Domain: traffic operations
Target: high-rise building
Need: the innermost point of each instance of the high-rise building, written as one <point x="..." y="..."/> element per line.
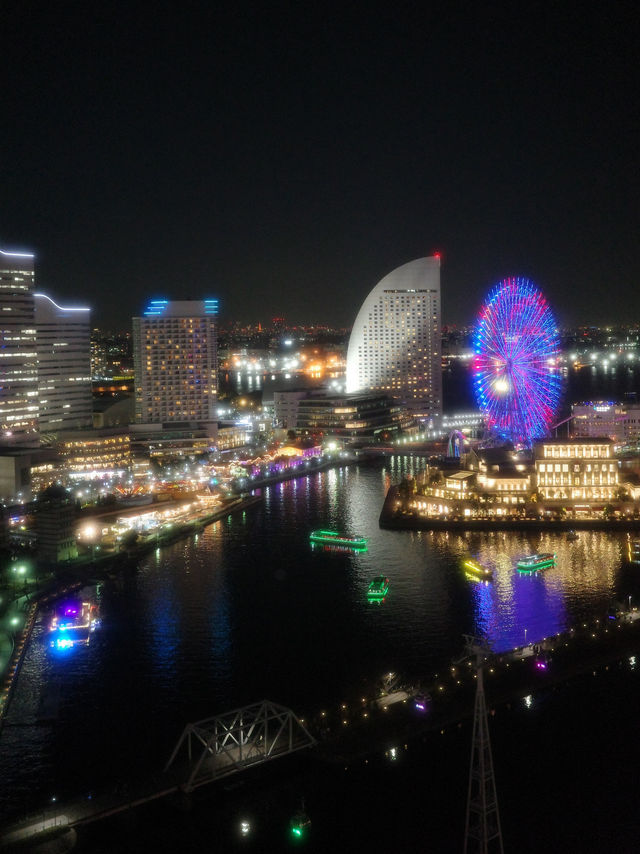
<point x="395" y="344"/>
<point x="18" y="355"/>
<point x="175" y="362"/>
<point x="64" y="366"/>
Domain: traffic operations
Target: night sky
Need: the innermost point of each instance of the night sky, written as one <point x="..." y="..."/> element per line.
<point x="284" y="158"/>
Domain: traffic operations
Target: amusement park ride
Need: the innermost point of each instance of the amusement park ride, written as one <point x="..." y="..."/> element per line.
<point x="515" y="368"/>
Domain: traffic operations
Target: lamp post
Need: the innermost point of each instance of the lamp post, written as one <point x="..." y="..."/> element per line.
<point x="89" y="534"/>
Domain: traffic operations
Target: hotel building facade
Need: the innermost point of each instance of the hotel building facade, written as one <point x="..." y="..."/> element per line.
<point x="175" y="363"/>
<point x="63" y="345"/>
<point x="395" y="344"/>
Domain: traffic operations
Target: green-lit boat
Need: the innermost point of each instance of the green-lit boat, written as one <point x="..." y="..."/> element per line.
<point x="333" y="538"/>
<point x="531" y="563"/>
<point x="378" y="588"/>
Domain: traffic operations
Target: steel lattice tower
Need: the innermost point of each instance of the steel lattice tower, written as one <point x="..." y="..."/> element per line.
<point x="482" y="834"/>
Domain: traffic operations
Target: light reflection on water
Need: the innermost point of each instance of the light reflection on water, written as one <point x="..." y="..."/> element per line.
<point x="248" y="610"/>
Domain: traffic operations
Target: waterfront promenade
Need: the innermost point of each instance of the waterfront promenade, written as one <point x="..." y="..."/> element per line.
<point x="93" y="565"/>
<point x="73" y="575"/>
<point x="359" y="728"/>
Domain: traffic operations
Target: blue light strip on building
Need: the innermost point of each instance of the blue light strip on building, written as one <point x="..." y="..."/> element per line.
<point x="156" y="307"/>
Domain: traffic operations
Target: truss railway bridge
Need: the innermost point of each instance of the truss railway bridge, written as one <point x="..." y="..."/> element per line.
<point x="207" y="751"/>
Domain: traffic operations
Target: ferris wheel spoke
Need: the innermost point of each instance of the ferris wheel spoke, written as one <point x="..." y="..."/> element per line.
<point x="515" y="377"/>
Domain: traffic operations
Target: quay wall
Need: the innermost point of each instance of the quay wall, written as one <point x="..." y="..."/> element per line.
<point x="77" y="574"/>
<point x="395" y="520"/>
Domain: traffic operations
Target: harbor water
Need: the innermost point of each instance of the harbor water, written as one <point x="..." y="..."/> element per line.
<point x="248" y="610"/>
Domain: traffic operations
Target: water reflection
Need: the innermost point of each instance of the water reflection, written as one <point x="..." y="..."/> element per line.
<point x="248" y="610"/>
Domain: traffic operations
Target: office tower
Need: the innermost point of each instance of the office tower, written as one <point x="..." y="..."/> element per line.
<point x="175" y="362"/>
<point x="18" y="357"/>
<point x="63" y="345"/>
<point x="395" y="343"/>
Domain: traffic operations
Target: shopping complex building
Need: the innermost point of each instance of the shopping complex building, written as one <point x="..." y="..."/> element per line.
<point x="563" y="478"/>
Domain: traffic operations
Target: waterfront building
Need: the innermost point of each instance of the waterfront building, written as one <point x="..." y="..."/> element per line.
<point x="64" y="365"/>
<point x="75" y="455"/>
<point x="95" y="453"/>
<point x="349" y="417"/>
<point x="175" y="363"/>
<point x="618" y="421"/>
<point x="15" y="473"/>
<point x="18" y="353"/>
<point x="395" y="344"/>
<point x="172" y="441"/>
<point x="55" y="526"/>
<point x="469" y="423"/>
<point x="231" y="436"/>
<point x="285" y="407"/>
<point x="582" y="471"/>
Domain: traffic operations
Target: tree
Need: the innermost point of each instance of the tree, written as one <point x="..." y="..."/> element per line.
<point x="406" y="487"/>
<point x="621" y="494"/>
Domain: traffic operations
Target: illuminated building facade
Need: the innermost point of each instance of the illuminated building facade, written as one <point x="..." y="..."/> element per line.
<point x="18" y="356"/>
<point x="395" y="344"/>
<point x="64" y="374"/>
<point x="576" y="470"/>
<point x="175" y="362"/>
<point x="368" y="416"/>
<point x="618" y="421"/>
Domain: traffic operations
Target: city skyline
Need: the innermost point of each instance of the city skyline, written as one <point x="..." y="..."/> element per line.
<point x="292" y="160"/>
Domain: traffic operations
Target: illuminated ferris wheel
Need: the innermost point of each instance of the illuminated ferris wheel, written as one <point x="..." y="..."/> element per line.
<point x="516" y="379"/>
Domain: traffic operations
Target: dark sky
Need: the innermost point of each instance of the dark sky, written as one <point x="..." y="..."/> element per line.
<point x="286" y="157"/>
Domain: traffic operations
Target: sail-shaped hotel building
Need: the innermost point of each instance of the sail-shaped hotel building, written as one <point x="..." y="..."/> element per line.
<point x="395" y="343"/>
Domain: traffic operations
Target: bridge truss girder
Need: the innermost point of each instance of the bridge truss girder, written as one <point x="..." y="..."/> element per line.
<point x="235" y="740"/>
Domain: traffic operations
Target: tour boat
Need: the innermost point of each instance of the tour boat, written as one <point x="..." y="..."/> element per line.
<point x="72" y="623"/>
<point x="378" y="587"/>
<point x="572" y="535"/>
<point x="634" y="551"/>
<point x="477" y="570"/>
<point x="333" y="538"/>
<point x="538" y="561"/>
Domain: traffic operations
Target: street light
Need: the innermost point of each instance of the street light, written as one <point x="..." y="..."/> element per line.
<point x="89" y="534"/>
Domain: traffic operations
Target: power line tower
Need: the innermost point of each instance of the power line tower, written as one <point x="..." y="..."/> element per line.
<point x="482" y="833"/>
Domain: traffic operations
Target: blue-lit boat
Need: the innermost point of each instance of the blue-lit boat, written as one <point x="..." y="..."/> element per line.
<point x="332" y="538"/>
<point x="72" y="623"/>
<point x="532" y="563"/>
